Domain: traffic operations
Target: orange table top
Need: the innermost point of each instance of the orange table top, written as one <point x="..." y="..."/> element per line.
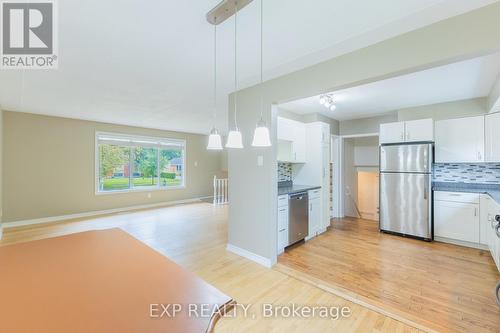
<point x="101" y="281"/>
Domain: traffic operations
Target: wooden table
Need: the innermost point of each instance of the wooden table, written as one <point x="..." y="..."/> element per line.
<point x="100" y="281"/>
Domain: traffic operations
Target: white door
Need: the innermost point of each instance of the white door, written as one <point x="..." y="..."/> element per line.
<point x="282" y="228"/>
<point x="456" y="220"/>
<point x="299" y="142"/>
<point x="392" y="132"/>
<point x="419" y="130"/>
<point x="460" y="140"/>
<point x="485" y="212"/>
<point x="492" y="137"/>
<point x="314" y="216"/>
<point x="285" y="129"/>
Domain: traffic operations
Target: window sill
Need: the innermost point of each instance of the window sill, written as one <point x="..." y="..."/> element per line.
<point x="143" y="189"/>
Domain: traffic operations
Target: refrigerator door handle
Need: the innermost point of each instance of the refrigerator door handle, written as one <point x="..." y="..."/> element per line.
<point x="425" y="191"/>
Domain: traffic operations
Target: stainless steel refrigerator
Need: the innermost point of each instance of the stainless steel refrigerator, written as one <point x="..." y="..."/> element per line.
<point x="405" y="189"/>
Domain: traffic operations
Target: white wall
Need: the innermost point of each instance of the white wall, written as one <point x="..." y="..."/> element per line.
<point x="366" y="152"/>
<point x="494" y="97"/>
<point x="366" y="125"/>
<point x="253" y="212"/>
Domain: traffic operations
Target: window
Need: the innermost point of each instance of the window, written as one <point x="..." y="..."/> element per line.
<point x="126" y="163"/>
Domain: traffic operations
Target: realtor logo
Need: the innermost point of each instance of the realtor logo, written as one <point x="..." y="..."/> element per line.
<point x="28" y="34"/>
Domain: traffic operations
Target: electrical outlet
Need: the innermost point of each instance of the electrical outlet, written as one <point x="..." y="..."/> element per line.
<point x="260" y="160"/>
<point x="195" y="163"/>
<point x="149" y="195"/>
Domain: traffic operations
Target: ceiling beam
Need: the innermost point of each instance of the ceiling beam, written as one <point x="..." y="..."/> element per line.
<point x="225" y="10"/>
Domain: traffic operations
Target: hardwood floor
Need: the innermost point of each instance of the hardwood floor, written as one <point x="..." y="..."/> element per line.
<point x="195" y="237"/>
<point x="441" y="286"/>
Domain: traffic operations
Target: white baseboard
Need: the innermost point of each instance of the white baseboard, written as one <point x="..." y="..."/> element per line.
<point x="1" y="230"/>
<point x="51" y="219"/>
<point x="461" y="243"/>
<point x="250" y="256"/>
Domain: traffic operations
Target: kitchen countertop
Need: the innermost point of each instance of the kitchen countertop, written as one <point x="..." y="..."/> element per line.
<point x="492" y="190"/>
<point x="282" y="190"/>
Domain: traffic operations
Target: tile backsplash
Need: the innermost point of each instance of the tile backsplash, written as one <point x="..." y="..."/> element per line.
<point x="284" y="171"/>
<point x="483" y="173"/>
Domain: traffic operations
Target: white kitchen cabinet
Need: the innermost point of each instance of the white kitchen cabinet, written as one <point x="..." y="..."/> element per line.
<point x="392" y="132"/>
<point x="407" y="131"/>
<point x="460" y="140"/>
<point x="419" y="130"/>
<point x="493" y="238"/>
<point x="291" y="141"/>
<point x="314" y="212"/>
<point x="492" y="137"/>
<point x="282" y="223"/>
<point x="485" y="217"/>
<point x="456" y="220"/>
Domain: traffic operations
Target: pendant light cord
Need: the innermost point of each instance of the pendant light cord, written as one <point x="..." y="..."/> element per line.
<point x="261" y="57"/>
<point x="215" y="70"/>
<point x="235" y="64"/>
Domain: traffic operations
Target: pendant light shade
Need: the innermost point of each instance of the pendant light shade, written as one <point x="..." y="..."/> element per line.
<point x="234" y="140"/>
<point x="214" y="140"/>
<point x="261" y="137"/>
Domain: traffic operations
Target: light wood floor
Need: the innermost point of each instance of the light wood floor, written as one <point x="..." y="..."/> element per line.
<point x="195" y="237"/>
<point x="444" y="287"/>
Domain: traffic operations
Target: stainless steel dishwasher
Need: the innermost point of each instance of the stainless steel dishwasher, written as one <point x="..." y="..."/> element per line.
<point x="298" y="225"/>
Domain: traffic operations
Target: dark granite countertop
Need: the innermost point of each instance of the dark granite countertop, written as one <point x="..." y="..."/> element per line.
<point x="492" y="190"/>
<point x="292" y="188"/>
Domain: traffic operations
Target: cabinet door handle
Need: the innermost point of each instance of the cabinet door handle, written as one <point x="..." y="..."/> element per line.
<point x="479" y="156"/>
<point x="407" y="135"/>
<point x="402" y="136"/>
<point x="475" y="211"/>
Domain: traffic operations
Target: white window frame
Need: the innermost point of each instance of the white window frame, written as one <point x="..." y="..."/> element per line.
<point x="157" y="143"/>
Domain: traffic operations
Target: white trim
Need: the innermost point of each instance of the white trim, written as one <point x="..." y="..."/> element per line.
<point x="51" y="219"/>
<point x="250" y="256"/>
<point x="364" y="135"/>
<point x="461" y="243"/>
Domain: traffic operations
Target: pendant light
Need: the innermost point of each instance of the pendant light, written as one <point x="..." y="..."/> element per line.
<point x="214" y="139"/>
<point x="234" y="138"/>
<point x="261" y="136"/>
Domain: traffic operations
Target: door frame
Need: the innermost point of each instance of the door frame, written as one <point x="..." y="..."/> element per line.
<point x="337" y="154"/>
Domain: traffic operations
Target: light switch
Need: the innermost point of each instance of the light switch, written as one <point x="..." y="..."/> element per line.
<point x="195" y="163"/>
<point x="260" y="160"/>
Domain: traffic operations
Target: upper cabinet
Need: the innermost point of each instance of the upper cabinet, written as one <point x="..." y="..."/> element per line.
<point x="392" y="132"/>
<point x="460" y="140"/>
<point x="492" y="137"/>
<point x="291" y="141"/>
<point x="419" y="130"/>
<point x="407" y="131"/>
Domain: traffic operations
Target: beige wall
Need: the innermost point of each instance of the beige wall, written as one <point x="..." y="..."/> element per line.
<point x="311" y="118"/>
<point x="1" y="171"/>
<point x="365" y="125"/>
<point x="449" y="110"/>
<point x="49" y="167"/>
<point x="252" y="212"/>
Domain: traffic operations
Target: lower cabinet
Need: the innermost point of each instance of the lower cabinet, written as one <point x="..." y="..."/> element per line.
<point x="468" y="219"/>
<point x="456" y="216"/>
<point x="282" y="223"/>
<point x="315" y="216"/>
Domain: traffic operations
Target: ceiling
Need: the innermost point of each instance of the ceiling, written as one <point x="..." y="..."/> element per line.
<point x="458" y="81"/>
<point x="150" y="64"/>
